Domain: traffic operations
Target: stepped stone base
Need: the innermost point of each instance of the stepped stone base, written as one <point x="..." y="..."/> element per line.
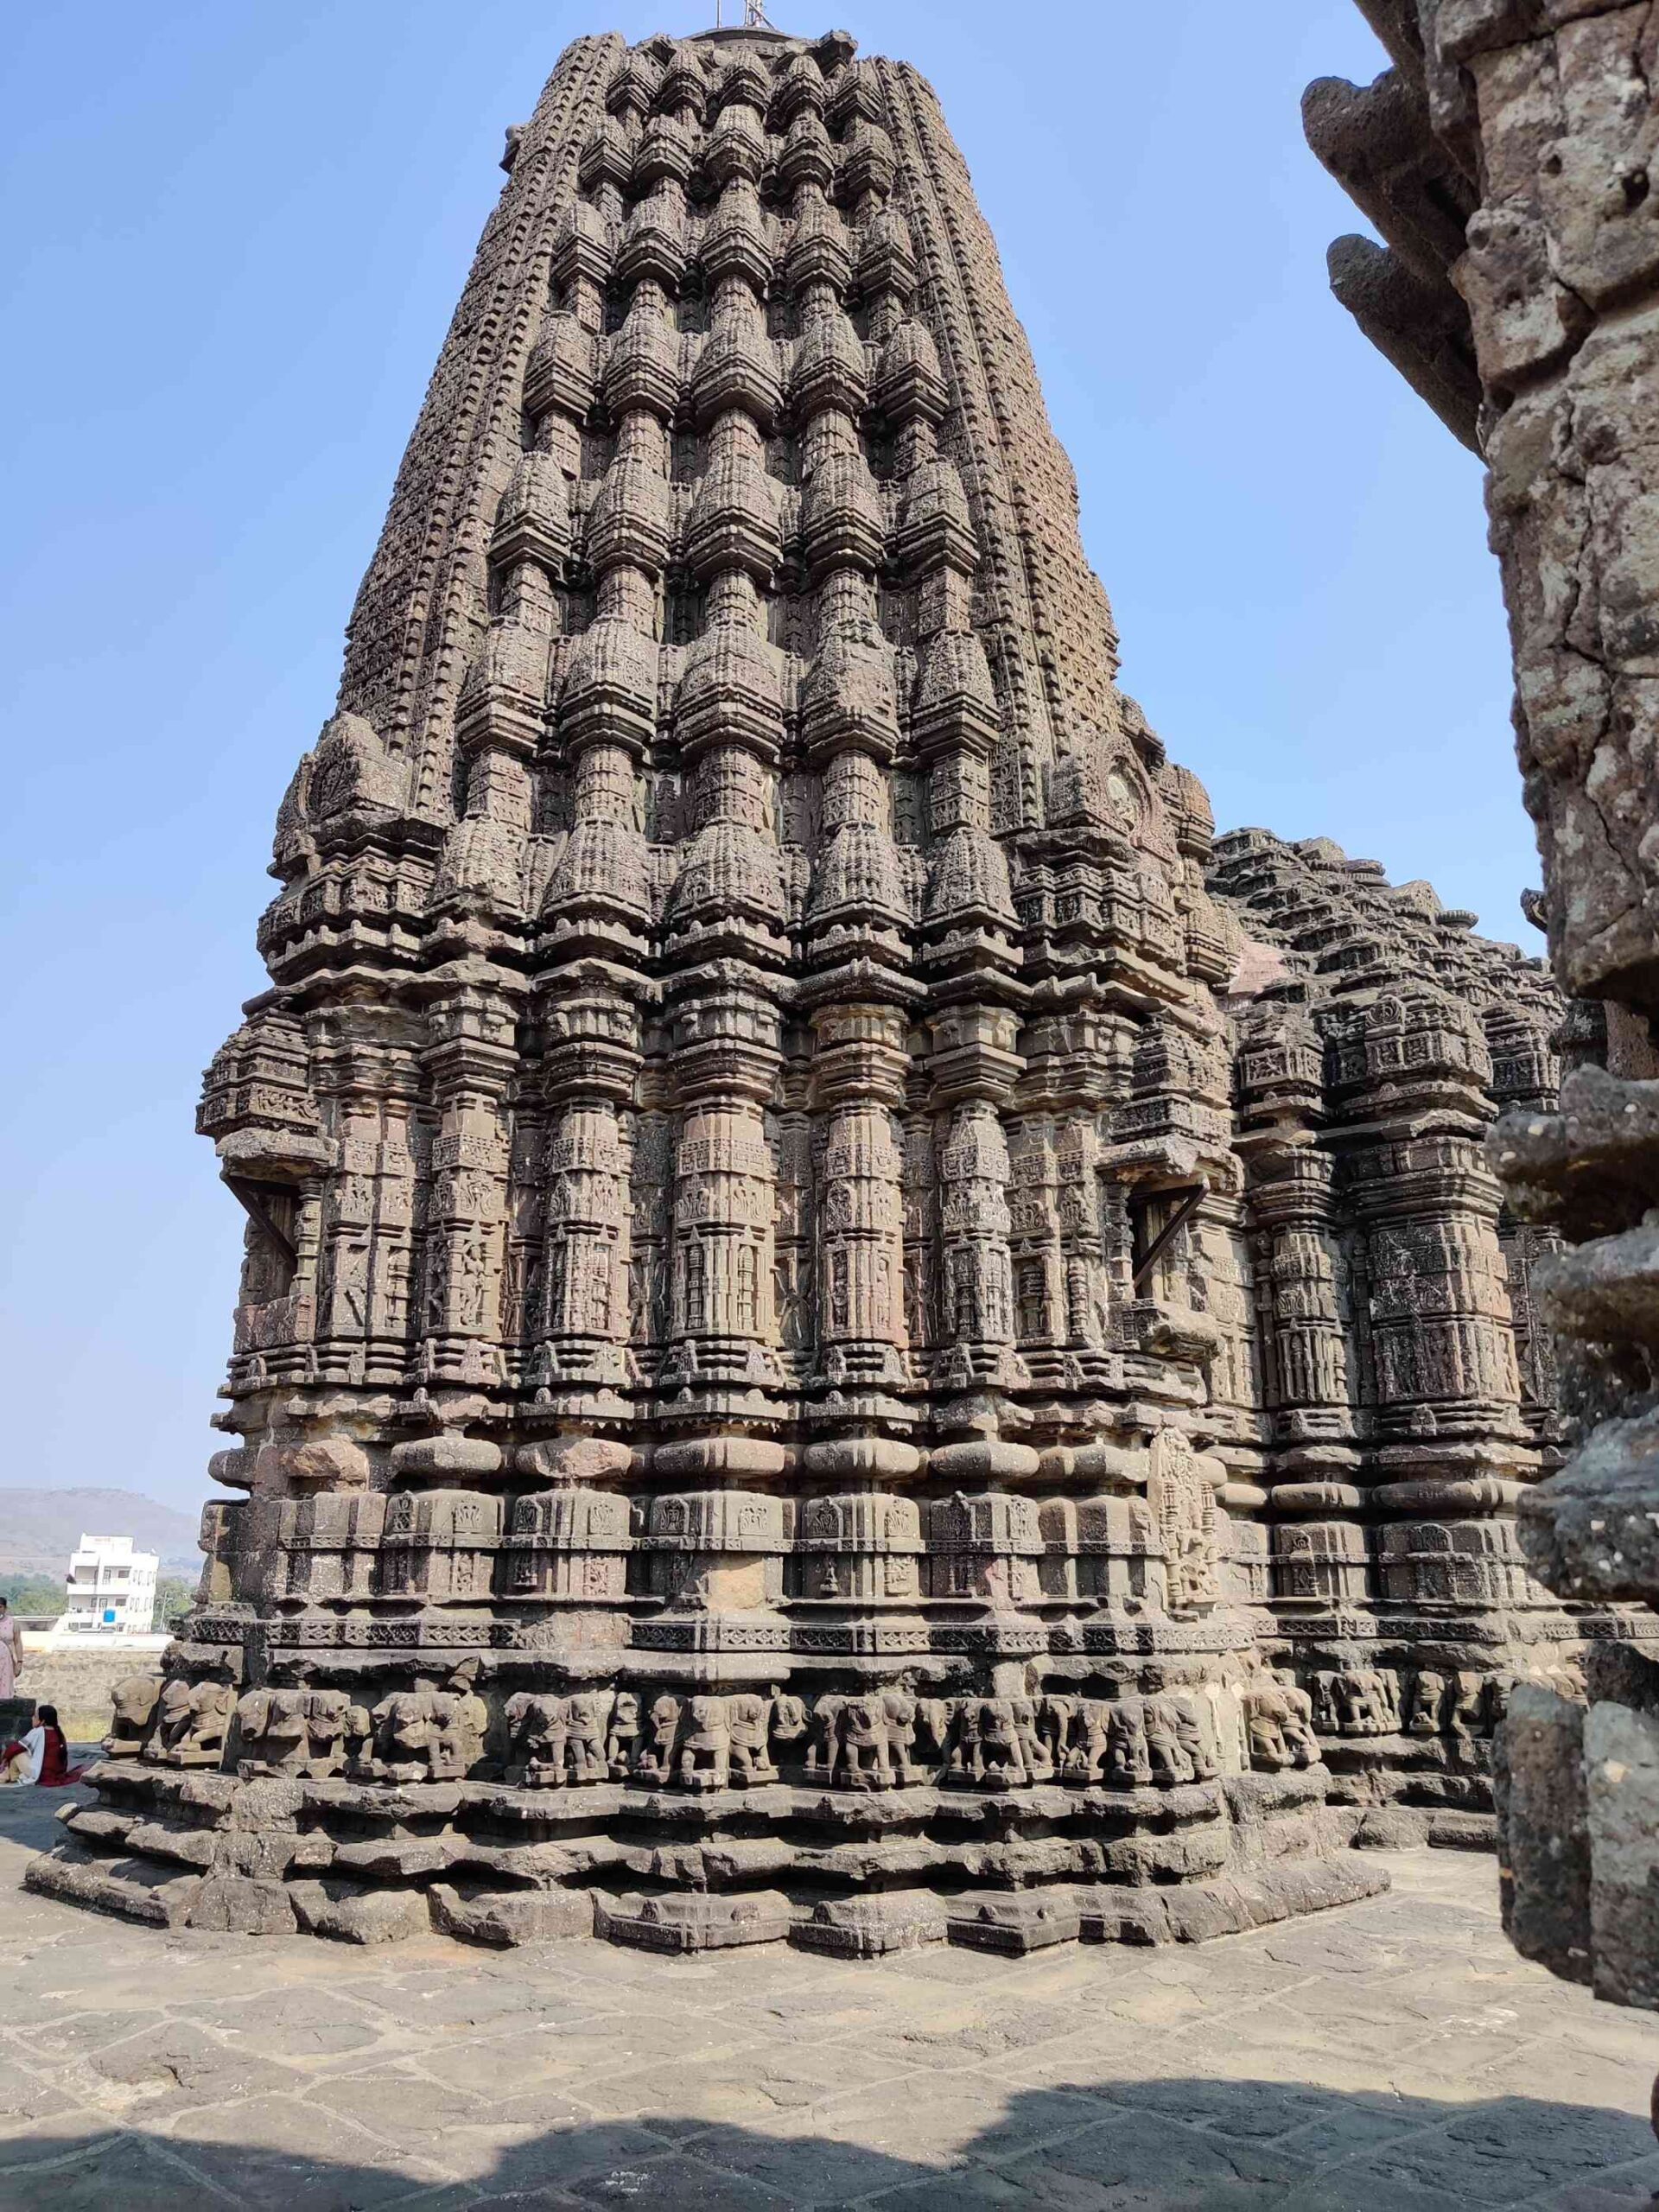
<point x="493" y="1864"/>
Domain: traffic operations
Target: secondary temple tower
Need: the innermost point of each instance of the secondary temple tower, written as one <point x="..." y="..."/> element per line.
<point x="850" y="1329"/>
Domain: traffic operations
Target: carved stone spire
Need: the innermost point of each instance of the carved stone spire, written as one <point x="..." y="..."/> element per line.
<point x="757" y="1288"/>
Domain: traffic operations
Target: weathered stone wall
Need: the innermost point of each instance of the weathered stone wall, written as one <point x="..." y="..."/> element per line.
<point x="79" y="1683"/>
<point x="1506" y="159"/>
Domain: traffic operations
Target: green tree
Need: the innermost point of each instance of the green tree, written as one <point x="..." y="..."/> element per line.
<point x="33" y="1594"/>
<point x="174" y="1595"/>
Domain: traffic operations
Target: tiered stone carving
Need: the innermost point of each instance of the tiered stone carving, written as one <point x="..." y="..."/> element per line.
<point x="836" y="1316"/>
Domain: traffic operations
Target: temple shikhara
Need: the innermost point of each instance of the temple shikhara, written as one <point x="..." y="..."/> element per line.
<point x="853" y="1328"/>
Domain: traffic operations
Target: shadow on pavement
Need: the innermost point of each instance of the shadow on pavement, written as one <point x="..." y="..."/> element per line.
<point x="1140" y="2146"/>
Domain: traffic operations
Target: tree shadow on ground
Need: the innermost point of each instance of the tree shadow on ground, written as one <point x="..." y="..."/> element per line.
<point x="1168" y="2145"/>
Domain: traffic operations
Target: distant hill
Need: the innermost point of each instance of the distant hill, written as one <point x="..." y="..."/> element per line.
<point x="39" y="1529"/>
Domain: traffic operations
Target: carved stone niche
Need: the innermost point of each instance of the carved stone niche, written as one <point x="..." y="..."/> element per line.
<point x="1468" y="1563"/>
<point x="327" y="1546"/>
<point x="985" y="1547"/>
<point x="1107" y="1549"/>
<point x="439" y="1544"/>
<point x="720" y="1547"/>
<point x="865" y="1548"/>
<point x="566" y="1547"/>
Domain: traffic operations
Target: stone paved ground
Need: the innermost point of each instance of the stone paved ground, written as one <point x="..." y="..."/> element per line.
<point x="1392" y="2057"/>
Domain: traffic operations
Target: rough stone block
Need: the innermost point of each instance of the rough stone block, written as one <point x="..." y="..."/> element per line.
<point x="135" y="1889"/>
<point x="393" y="1858"/>
<point x="870" y="1927"/>
<point x="511" y="1917"/>
<point x="1108" y="1915"/>
<point x="241" y="1906"/>
<point x="1543" y="1828"/>
<point x="694" y="1923"/>
<point x="1621" y="1764"/>
<point x="1014" y="1925"/>
<point x="195" y="1848"/>
<point x="1391" y="1828"/>
<point x="354" y="1915"/>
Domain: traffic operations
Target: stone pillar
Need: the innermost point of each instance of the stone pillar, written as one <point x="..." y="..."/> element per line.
<point x="1320" y="1549"/>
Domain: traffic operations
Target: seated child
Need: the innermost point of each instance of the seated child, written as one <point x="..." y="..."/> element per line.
<point x="42" y="1757"/>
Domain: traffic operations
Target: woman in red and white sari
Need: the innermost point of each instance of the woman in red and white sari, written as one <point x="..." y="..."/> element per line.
<point x="42" y="1757"/>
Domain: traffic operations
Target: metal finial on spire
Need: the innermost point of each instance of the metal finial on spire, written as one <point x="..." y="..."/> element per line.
<point x="754" y="15"/>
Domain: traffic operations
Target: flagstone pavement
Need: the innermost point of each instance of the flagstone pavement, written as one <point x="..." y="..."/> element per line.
<point x="1393" y="2056"/>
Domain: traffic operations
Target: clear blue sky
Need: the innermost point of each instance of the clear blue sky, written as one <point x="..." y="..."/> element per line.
<point x="233" y="236"/>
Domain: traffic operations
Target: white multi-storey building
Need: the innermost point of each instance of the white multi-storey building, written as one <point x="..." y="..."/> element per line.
<point x="112" y="1588"/>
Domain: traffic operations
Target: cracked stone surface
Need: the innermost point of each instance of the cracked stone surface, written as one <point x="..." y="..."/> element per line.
<point x="1396" y="2053"/>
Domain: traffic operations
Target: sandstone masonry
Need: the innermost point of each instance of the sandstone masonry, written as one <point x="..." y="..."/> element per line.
<point x="1505" y="157"/>
<point x="851" y="1330"/>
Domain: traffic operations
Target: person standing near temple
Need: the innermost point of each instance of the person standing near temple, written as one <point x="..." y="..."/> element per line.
<point x="12" y="1652"/>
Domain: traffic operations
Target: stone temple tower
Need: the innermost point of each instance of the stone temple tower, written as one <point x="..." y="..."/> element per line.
<point x="832" y="1343"/>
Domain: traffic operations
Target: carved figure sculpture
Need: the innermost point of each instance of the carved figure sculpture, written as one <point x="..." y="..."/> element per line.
<point x="823" y="1736"/>
<point x="864" y="1762"/>
<point x="1469" y="1710"/>
<point x="1129" y="1745"/>
<point x="748" y="1719"/>
<point x="788" y="1720"/>
<point x="192" y="1720"/>
<point x="1056" y="1720"/>
<point x="134" y="1698"/>
<point x="655" y="1761"/>
<point x="705" y="1746"/>
<point x="998" y="1751"/>
<point x="622" y="1738"/>
<point x="586" y="1746"/>
<point x="1171" y="1733"/>
<point x="1278" y="1720"/>
<point x="1424" y="1703"/>
<point x="931" y="1751"/>
<point x="1364" y="1702"/>
<point x="425" y="1734"/>
<point x="1092" y="1746"/>
<point x="293" y="1731"/>
<point x="899" y="1732"/>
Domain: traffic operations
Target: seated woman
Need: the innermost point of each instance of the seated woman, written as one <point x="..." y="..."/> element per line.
<point x="42" y="1757"/>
